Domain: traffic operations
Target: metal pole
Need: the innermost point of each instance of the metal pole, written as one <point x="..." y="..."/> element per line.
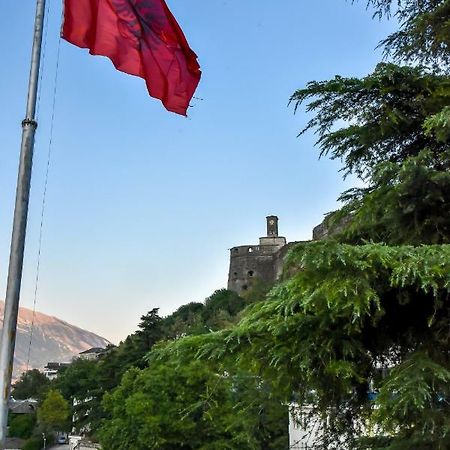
<point x="29" y="126"/>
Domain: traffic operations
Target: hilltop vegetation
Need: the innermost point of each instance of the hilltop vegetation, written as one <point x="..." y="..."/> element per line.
<point x="166" y="405"/>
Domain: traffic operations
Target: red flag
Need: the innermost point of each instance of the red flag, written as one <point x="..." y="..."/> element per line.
<point x="142" y="38"/>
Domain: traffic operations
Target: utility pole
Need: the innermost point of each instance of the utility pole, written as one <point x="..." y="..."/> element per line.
<point x="29" y="126"/>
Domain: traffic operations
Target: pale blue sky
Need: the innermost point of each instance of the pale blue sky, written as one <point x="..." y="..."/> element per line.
<point x="142" y="204"/>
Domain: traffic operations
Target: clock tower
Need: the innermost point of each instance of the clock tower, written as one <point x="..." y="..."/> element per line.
<point x="272" y="226"/>
<point x="272" y="240"/>
<point x="264" y="262"/>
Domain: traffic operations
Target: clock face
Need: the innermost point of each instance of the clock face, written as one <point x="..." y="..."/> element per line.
<point x="271" y="222"/>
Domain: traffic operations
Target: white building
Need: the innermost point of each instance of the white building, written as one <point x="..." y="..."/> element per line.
<point x="52" y="369"/>
<point x="92" y="353"/>
<point x="302" y="436"/>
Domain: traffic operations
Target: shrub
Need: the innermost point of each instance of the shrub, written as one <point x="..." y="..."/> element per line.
<point x="22" y="425"/>
<point x="37" y="442"/>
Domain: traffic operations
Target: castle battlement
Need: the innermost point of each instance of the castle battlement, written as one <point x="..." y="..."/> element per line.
<point x="249" y="263"/>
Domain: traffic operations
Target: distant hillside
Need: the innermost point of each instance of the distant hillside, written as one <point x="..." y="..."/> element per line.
<point x="53" y="340"/>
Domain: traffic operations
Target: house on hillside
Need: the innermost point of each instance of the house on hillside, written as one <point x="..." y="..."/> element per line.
<point x="52" y="369"/>
<point x="28" y="406"/>
<point x="92" y="353"/>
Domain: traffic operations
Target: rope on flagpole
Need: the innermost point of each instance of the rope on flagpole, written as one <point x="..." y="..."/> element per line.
<point x="44" y="199"/>
<point x="44" y="48"/>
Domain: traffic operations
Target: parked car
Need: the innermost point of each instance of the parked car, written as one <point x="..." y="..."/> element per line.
<point x="61" y="439"/>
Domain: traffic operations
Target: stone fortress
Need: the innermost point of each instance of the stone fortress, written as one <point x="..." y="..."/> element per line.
<point x="264" y="262"/>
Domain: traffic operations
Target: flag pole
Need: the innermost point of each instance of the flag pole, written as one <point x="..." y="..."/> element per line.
<point x="29" y="126"/>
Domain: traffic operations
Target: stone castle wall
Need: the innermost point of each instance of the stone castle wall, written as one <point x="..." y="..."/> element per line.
<point x="265" y="261"/>
<point x="249" y="263"/>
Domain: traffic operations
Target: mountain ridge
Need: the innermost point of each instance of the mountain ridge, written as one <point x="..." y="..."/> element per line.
<point x="53" y="340"/>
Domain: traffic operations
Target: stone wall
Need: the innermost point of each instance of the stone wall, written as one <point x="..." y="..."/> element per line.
<point x="249" y="263"/>
<point x="265" y="262"/>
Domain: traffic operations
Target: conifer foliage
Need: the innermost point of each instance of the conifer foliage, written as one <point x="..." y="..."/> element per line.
<point x="354" y="322"/>
<point x="424" y="34"/>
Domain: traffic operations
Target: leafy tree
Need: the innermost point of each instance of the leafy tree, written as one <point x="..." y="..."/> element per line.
<point x="128" y="354"/>
<point x="78" y="380"/>
<point x="150" y="330"/>
<point x="190" y="406"/>
<point x="221" y="308"/>
<point x="22" y="425"/>
<point x="218" y="311"/>
<point x="54" y="412"/>
<point x="187" y="319"/>
<point x="84" y="382"/>
<point x="261" y="420"/>
<point x="79" y="384"/>
<point x="31" y="384"/>
<point x="259" y="408"/>
<point x="37" y="442"/>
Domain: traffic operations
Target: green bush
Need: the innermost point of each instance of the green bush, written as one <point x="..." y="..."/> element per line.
<point x="37" y="443"/>
<point x="22" y="425"/>
<point x="34" y="443"/>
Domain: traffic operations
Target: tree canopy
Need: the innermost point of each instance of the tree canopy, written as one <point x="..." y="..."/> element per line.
<point x="31" y="384"/>
<point x="424" y="34"/>
<point x="192" y="406"/>
<point x="54" y="411"/>
<point x="96" y="389"/>
<point x="384" y="112"/>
